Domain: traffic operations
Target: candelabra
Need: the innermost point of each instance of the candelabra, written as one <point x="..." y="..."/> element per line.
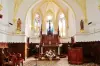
<point x="37" y="46"/>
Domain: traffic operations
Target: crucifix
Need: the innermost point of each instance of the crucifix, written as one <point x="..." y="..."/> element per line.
<point x="49" y="25"/>
<point x="49" y="29"/>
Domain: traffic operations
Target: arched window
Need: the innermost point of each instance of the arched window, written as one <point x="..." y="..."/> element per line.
<point x="62" y="25"/>
<point x="37" y="24"/>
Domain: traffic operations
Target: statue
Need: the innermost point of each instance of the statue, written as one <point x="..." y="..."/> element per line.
<point x="19" y="24"/>
<point x="81" y="25"/>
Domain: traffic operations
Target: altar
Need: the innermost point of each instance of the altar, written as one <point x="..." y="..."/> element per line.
<point x="50" y="42"/>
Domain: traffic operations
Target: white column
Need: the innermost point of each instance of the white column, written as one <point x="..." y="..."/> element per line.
<point x="41" y="50"/>
<point x="58" y="50"/>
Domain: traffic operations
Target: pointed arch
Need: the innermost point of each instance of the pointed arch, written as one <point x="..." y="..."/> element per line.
<point x="36" y="22"/>
<point x="62" y="24"/>
<point x="49" y="19"/>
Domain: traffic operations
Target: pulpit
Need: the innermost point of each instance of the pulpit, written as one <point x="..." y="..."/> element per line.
<point x="75" y="55"/>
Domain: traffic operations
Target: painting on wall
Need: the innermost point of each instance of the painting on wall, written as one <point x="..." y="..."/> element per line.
<point x="37" y="24"/>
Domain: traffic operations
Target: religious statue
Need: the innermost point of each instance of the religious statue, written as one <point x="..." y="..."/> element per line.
<point x="19" y="24"/>
<point x="72" y="40"/>
<point x="82" y="25"/>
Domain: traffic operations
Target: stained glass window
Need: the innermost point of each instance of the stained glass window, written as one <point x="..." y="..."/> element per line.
<point x="62" y="24"/>
<point x="37" y="24"/>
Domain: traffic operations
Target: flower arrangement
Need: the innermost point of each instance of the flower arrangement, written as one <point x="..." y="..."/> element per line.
<point x="50" y="54"/>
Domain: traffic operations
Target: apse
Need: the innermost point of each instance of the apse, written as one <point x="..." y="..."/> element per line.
<point x="51" y="14"/>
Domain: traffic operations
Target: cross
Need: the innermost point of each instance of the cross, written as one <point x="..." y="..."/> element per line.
<point x="49" y="31"/>
<point x="49" y="25"/>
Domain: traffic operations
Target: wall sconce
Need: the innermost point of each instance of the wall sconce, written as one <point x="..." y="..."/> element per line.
<point x="1" y="16"/>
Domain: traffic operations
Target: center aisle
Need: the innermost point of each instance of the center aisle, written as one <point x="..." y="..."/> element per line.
<point x="62" y="62"/>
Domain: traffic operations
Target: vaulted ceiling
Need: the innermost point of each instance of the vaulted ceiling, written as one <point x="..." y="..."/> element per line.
<point x="50" y="5"/>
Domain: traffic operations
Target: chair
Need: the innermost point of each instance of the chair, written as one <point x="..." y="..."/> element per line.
<point x="19" y="59"/>
<point x="14" y="60"/>
<point x="11" y="60"/>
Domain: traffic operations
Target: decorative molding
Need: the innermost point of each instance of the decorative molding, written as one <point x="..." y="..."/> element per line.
<point x="82" y="4"/>
<point x="17" y="4"/>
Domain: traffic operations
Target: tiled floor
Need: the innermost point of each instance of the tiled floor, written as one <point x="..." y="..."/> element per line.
<point x="61" y="62"/>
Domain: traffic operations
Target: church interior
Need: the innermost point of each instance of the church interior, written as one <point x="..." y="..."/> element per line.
<point x="49" y="32"/>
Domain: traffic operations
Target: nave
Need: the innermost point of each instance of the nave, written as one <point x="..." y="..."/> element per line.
<point x="62" y="62"/>
<point x="50" y="29"/>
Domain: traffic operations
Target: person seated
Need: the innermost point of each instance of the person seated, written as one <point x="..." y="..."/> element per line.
<point x="19" y="59"/>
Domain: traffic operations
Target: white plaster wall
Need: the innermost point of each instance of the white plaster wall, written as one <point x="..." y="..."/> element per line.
<point x="16" y="38"/>
<point x="4" y="21"/>
<point x="77" y="11"/>
<point x="72" y="24"/>
<point x="93" y="14"/>
<point x="35" y="40"/>
<point x="65" y="40"/>
<point x="10" y="10"/>
<point x="28" y="24"/>
<point x="12" y="29"/>
<point x="82" y="37"/>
